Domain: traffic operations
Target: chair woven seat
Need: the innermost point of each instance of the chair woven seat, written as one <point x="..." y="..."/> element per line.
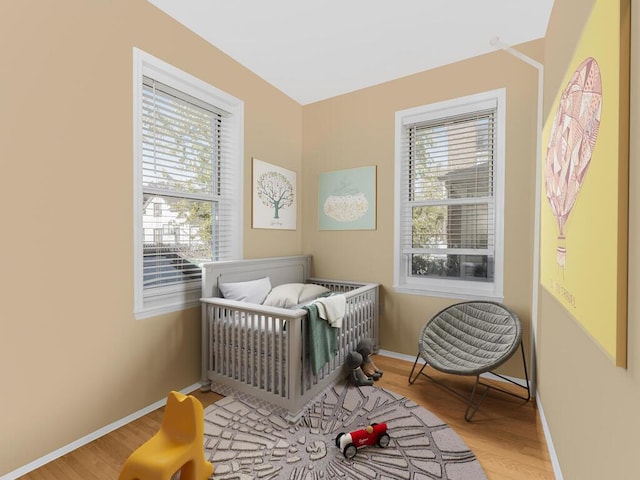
<point x="470" y="338"/>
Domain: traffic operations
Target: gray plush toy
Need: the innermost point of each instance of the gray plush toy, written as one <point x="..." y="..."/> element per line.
<point x="354" y="361"/>
<point x="365" y="349"/>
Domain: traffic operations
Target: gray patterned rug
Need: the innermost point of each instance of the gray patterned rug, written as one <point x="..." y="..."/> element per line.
<point x="246" y="441"/>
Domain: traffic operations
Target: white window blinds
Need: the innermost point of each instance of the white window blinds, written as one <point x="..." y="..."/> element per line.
<point x="448" y="206"/>
<point x="180" y="181"/>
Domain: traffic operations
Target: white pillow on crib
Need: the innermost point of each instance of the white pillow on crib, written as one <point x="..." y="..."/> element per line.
<point x="291" y="294"/>
<point x="311" y="291"/>
<point x="252" y="291"/>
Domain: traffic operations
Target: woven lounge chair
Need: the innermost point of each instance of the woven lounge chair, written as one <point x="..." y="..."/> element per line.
<point x="471" y="338"/>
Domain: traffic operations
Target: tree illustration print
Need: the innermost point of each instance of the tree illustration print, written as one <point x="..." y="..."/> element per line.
<point x="274" y="196"/>
<point x="275" y="191"/>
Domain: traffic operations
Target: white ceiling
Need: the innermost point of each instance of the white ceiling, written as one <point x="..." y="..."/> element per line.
<point x="313" y="50"/>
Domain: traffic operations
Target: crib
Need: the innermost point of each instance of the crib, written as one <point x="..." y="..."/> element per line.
<point x="262" y="351"/>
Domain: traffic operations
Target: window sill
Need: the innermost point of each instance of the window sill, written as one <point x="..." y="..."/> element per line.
<point x="168" y="300"/>
<point x="157" y="311"/>
<point x="479" y="294"/>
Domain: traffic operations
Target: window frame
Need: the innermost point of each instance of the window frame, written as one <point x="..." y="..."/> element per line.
<point x="403" y="281"/>
<point x="166" y="299"/>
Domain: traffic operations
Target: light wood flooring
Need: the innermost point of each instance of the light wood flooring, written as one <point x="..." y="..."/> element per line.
<point x="506" y="434"/>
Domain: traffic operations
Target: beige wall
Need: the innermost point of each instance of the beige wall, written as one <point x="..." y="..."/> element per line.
<point x="357" y="129"/>
<point x="590" y="405"/>
<point x="72" y="357"/>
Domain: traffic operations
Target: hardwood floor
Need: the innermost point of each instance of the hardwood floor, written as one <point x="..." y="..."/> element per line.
<point x="505" y="434"/>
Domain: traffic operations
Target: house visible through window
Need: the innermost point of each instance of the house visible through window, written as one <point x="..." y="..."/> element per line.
<point x="187" y="183"/>
<point x="449" y="170"/>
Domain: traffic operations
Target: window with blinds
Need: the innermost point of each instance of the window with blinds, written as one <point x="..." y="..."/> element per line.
<point x="187" y="185"/>
<point x="448" y="234"/>
<point x="180" y="183"/>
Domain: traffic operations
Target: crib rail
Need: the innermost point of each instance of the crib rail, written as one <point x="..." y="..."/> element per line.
<point x="361" y="314"/>
<point x="262" y="350"/>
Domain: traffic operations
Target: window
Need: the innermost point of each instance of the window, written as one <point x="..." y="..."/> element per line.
<point x="449" y="183"/>
<point x="187" y="183"/>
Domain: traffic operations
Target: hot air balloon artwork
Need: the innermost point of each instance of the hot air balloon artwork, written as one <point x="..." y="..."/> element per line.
<point x="571" y="143"/>
<point x="584" y="176"/>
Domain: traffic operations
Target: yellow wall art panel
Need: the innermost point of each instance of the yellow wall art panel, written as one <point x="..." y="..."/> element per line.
<point x="584" y="211"/>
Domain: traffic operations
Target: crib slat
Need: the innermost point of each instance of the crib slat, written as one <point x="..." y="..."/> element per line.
<point x="250" y="348"/>
<point x="246" y="349"/>
<point x="295" y="367"/>
<point x="269" y="355"/>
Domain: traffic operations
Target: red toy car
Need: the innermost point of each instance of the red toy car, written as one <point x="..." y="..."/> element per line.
<point x="376" y="433"/>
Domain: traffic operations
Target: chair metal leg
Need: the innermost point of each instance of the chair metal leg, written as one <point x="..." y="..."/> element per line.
<point x="470" y="403"/>
<point x="526" y="377"/>
<point x="414" y="367"/>
<point x="473" y="403"/>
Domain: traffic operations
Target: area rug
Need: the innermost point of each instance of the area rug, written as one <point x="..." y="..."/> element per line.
<point x="247" y="440"/>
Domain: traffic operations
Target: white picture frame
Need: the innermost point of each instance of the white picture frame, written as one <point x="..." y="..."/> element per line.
<point x="274" y="196"/>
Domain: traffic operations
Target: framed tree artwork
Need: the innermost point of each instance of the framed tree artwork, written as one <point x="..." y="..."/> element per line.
<point x="274" y="196"/>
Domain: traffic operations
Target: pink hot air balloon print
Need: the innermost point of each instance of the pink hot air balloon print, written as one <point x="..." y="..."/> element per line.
<point x="571" y="143"/>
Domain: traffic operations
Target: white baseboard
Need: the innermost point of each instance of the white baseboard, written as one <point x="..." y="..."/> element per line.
<point x="90" y="437"/>
<point x="400" y="356"/>
<point x="520" y="381"/>
<point x="547" y="435"/>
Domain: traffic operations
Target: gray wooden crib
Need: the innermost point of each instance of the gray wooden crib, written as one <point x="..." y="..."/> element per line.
<point x="262" y="351"/>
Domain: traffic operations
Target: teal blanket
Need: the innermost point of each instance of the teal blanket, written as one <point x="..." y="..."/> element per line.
<point x="323" y="341"/>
